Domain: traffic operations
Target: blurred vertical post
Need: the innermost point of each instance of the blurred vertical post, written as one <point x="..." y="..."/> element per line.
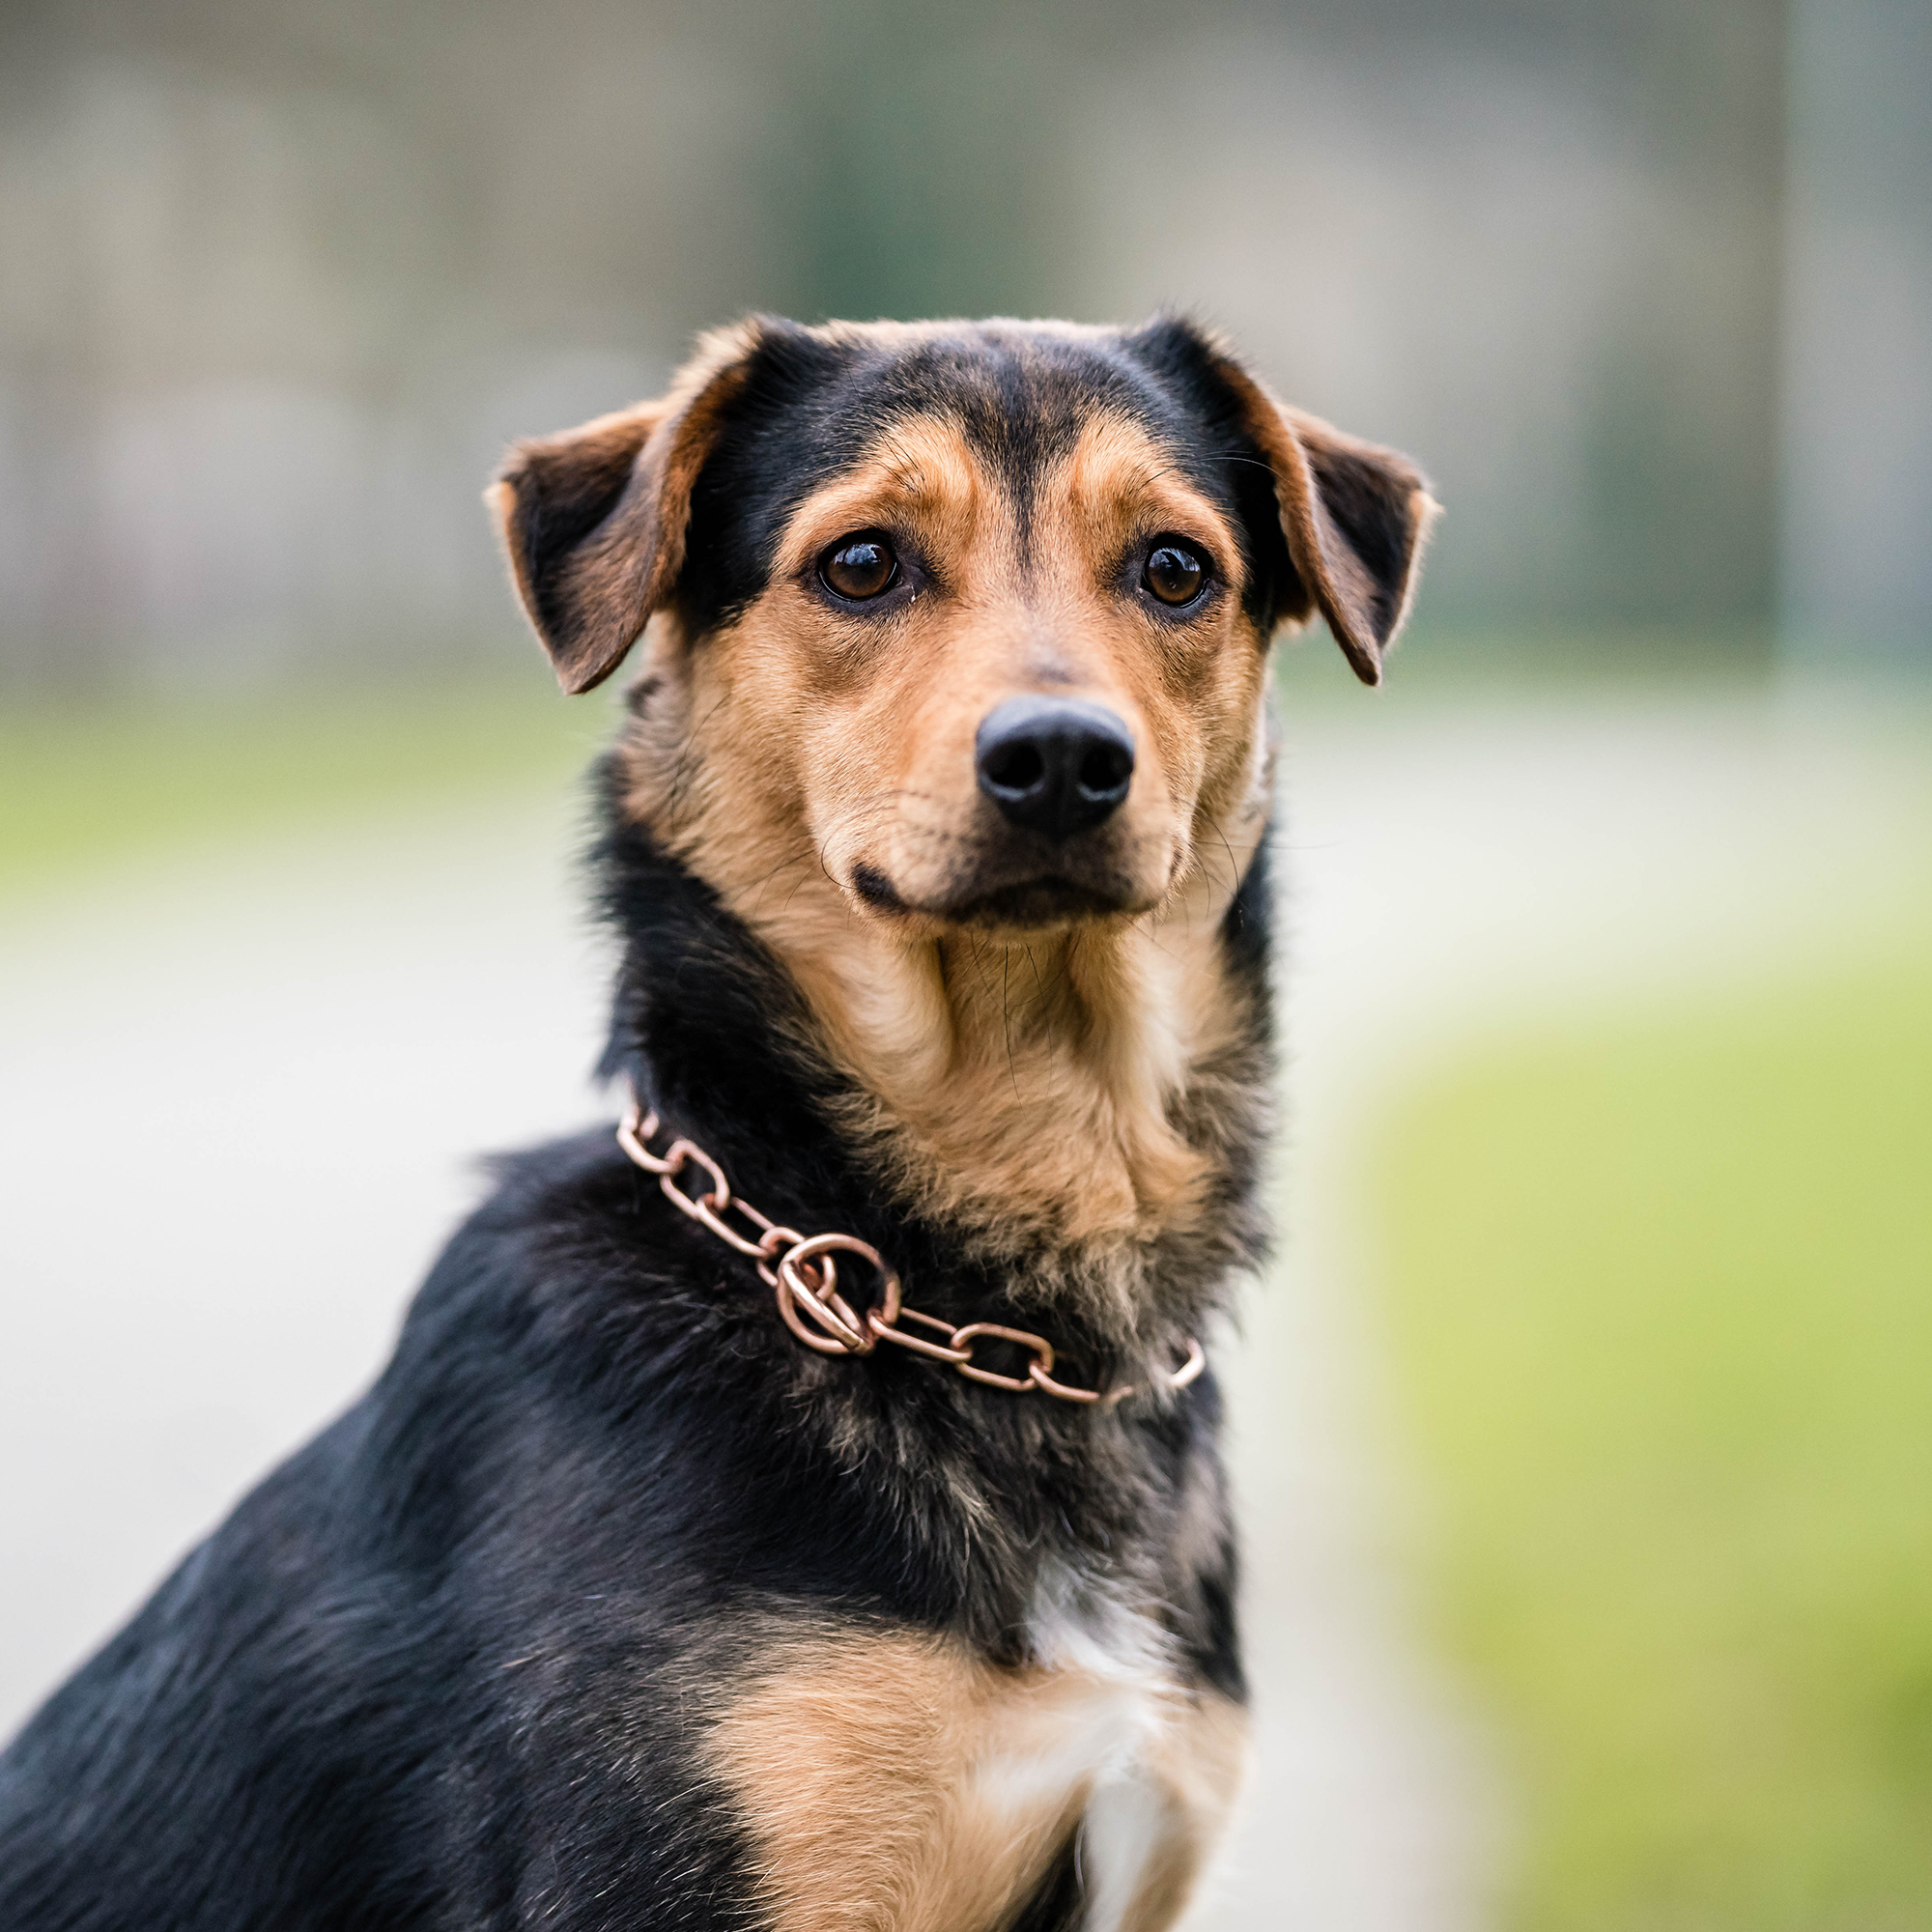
<point x="1857" y="509"/>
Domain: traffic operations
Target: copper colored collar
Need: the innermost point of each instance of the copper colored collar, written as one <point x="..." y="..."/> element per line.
<point x="804" y="1274"/>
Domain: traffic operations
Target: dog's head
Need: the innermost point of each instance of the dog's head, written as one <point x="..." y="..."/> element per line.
<point x="955" y="642"/>
<point x="977" y="613"/>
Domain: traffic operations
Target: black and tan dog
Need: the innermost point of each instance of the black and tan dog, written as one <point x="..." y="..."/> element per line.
<point x="935" y="841"/>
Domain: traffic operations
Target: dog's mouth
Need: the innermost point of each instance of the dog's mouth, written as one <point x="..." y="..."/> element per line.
<point x="1049" y="899"/>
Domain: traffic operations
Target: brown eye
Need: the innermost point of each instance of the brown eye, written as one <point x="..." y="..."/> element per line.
<point x="859" y="567"/>
<point x="1173" y="573"/>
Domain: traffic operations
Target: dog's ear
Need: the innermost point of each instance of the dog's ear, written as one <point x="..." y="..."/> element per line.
<point x="1355" y="517"/>
<point x="594" y="520"/>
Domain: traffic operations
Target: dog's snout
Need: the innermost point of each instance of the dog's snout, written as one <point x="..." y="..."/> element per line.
<point x="1054" y="765"/>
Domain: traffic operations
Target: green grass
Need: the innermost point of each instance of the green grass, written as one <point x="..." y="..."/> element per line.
<point x="79" y="788"/>
<point x="1660" y="1298"/>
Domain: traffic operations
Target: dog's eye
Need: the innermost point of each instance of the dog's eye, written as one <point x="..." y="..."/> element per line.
<point x="1173" y="573"/>
<point x="859" y="567"/>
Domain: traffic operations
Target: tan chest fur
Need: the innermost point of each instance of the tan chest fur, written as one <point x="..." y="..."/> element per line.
<point x="892" y="1782"/>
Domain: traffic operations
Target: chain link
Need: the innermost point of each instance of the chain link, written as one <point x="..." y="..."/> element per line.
<point x="802" y="1271"/>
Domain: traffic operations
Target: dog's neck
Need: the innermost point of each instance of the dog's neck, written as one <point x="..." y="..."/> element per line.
<point x="1085" y="1103"/>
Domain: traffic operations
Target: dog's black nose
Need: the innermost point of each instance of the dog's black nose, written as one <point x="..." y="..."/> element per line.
<point x="1054" y="765"/>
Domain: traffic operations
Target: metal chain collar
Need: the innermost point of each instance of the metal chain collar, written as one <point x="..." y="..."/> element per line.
<point x="801" y="1270"/>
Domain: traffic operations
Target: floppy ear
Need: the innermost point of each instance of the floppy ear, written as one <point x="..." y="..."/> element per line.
<point x="1356" y="518"/>
<point x="594" y="520"/>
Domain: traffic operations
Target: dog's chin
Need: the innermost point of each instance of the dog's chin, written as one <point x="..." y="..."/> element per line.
<point x="1034" y="904"/>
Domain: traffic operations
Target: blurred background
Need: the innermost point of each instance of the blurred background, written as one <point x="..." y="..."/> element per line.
<point x="1585" y="1426"/>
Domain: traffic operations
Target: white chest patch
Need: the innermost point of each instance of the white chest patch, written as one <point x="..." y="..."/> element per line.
<point x="1120" y="1729"/>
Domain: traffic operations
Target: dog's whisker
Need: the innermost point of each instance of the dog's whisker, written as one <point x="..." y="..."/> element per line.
<point x="798" y="858"/>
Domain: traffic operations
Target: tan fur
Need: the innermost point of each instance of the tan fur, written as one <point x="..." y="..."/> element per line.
<point x="892" y="1782"/>
<point x="1025" y="1079"/>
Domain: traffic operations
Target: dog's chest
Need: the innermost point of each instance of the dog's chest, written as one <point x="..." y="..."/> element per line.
<point x="1115" y="1732"/>
<point x="898" y="1781"/>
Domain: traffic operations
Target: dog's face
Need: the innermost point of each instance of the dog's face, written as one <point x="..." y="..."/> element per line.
<point x="975" y="615"/>
<point x="996" y="681"/>
<point x="992" y="683"/>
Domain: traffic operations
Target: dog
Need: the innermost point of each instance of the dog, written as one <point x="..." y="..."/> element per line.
<point x="802" y="1507"/>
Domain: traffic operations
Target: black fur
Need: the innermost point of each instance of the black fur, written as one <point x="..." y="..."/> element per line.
<point x="808" y="404"/>
<point x="428" y="1673"/>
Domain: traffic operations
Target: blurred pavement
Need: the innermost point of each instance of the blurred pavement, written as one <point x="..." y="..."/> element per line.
<point x="243" y="1094"/>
